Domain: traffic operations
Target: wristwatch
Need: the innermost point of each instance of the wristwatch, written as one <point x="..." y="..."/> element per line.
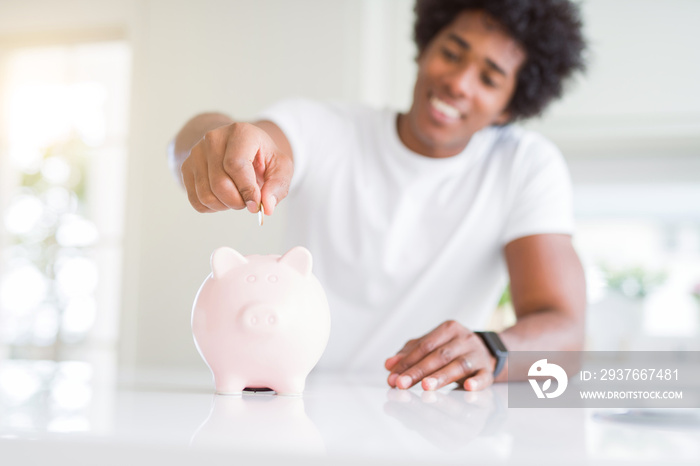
<point x="496" y="348"/>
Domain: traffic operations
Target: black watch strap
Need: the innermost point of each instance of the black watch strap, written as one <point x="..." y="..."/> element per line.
<point x="496" y="348"/>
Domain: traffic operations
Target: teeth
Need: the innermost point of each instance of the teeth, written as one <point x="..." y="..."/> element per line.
<point x="444" y="107"/>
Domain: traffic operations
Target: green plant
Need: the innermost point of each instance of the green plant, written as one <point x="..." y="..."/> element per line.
<point x="633" y="282"/>
<point x="696" y="292"/>
<point x="58" y="187"/>
<point x="505" y="297"/>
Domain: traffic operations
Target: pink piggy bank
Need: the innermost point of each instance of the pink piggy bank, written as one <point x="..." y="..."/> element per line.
<point x="261" y="321"/>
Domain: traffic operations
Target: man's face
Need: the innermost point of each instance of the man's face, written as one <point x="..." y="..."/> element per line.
<point x="466" y="77"/>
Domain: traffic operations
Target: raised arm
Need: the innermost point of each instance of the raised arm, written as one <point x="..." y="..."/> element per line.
<point x="223" y="164"/>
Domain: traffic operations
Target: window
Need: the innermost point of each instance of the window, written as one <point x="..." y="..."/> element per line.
<point x="640" y="244"/>
<point x="63" y="133"/>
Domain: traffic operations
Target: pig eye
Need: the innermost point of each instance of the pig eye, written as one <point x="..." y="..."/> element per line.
<point x="272" y="278"/>
<point x="251" y="278"/>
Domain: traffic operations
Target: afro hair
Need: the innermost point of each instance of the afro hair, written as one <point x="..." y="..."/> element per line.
<point x="548" y="30"/>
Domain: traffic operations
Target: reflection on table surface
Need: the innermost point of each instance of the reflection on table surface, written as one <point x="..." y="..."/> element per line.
<point x="339" y="417"/>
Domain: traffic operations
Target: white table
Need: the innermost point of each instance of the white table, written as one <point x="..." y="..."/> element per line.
<point x="348" y="419"/>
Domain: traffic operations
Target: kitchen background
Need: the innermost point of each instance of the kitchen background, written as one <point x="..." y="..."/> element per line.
<point x="101" y="254"/>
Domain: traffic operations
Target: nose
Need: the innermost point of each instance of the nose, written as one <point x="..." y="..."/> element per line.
<point x="462" y="82"/>
<point x="260" y="318"/>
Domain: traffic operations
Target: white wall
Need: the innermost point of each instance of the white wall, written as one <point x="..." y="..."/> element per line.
<point x="641" y="94"/>
<point x="636" y="113"/>
<point x="191" y="57"/>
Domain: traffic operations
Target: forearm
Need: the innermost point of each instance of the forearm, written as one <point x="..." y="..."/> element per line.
<point x="550" y="330"/>
<point x="179" y="148"/>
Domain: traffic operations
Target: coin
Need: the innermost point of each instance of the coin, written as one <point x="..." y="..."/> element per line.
<point x="260" y="214"/>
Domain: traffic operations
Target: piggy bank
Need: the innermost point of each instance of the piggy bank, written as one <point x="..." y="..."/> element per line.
<point x="261" y="321"/>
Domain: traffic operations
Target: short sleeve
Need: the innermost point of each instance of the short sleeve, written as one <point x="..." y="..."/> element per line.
<point x="541" y="198"/>
<point x="308" y="126"/>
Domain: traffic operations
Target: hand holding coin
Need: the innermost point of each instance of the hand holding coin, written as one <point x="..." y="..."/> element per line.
<point x="237" y="166"/>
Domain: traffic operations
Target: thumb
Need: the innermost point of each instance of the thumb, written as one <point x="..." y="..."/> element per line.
<point x="276" y="181"/>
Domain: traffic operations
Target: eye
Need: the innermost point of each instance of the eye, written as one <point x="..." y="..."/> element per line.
<point x="486" y="79"/>
<point x="450" y="55"/>
<point x="272" y="278"/>
<point x="251" y="278"/>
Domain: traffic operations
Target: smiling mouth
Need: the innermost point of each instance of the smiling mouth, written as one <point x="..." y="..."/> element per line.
<point x="444" y="108"/>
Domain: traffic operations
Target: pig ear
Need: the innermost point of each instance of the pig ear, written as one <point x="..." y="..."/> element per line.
<point x="225" y="259"/>
<point x="298" y="258"/>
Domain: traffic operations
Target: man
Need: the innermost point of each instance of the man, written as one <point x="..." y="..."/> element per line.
<point x="417" y="220"/>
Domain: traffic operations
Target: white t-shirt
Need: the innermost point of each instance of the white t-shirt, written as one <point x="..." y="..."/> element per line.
<point x="403" y="242"/>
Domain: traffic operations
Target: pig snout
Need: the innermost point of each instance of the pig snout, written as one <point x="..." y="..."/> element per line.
<point x="260" y="318"/>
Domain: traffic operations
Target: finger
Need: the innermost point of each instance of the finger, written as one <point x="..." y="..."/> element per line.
<point x="241" y="151"/>
<point x="206" y="160"/>
<point x="427" y="344"/>
<point x="223" y="187"/>
<point x="479" y="381"/>
<point x="391" y="362"/>
<point x="188" y="181"/>
<point x="410" y="344"/>
<point x="460" y="367"/>
<point x="204" y="193"/>
<point x="196" y="164"/>
<point x="278" y="175"/>
<point x="441" y="357"/>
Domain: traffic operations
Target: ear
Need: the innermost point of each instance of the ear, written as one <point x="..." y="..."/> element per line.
<point x="225" y="259"/>
<point x="298" y="258"/>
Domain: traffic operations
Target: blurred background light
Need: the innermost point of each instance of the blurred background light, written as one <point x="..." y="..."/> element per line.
<point x="18" y="383"/>
<point x="78" y="317"/>
<point x="65" y="424"/>
<point x="595" y="283"/>
<point x="22" y="289"/>
<point x="76" y="231"/>
<point x="69" y="395"/>
<point x="76" y="276"/>
<point x="76" y="371"/>
<point x="46" y="325"/>
<point x="63" y="143"/>
<point x="24" y="213"/>
<point x="87" y="112"/>
<point x="56" y="170"/>
<point x="59" y="199"/>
